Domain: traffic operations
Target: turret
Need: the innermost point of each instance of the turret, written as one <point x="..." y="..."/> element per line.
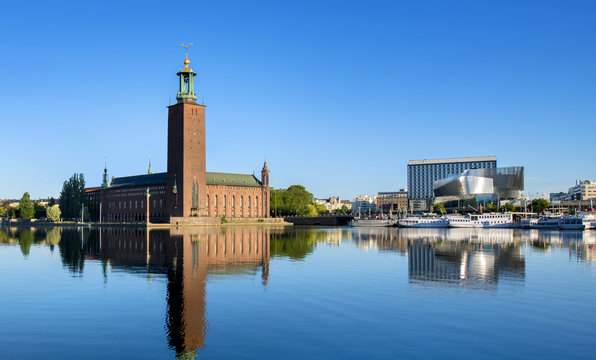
<point x="105" y="184"/>
<point x="265" y="175"/>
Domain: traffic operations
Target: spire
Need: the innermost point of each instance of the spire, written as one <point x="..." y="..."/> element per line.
<point x="149" y="171"/>
<point x="105" y="184"/>
<point x="186" y="88"/>
<point x="265" y="175"/>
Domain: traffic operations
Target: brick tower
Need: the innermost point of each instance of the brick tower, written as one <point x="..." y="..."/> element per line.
<point x="186" y="187"/>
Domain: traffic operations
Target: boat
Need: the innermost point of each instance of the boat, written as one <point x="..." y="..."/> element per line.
<point x="581" y="221"/>
<point x="491" y="220"/>
<point x="371" y="223"/>
<point x="423" y="222"/>
<point x="545" y="222"/>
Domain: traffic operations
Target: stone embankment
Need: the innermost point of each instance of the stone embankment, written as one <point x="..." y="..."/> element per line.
<point x="327" y="220"/>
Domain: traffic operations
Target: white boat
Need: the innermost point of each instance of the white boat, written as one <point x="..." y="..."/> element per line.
<point x="423" y="222"/>
<point x="541" y="223"/>
<point x="491" y="220"/>
<point x="371" y="223"/>
<point x="581" y="221"/>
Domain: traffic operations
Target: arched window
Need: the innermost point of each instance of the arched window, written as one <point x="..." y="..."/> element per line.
<point x="248" y="207"/>
<point x="208" y="205"/>
<point x="233" y="205"/>
<point x="224" y="204"/>
<point x="241" y="206"/>
<point x="257" y="206"/>
<point x="215" y="206"/>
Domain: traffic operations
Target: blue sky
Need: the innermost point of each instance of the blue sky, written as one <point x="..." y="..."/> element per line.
<point x="337" y="95"/>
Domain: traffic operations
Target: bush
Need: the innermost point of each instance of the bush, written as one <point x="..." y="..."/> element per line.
<point x="224" y="219"/>
<point x="53" y="213"/>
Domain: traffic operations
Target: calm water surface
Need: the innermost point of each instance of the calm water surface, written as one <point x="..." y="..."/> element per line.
<point x="295" y="293"/>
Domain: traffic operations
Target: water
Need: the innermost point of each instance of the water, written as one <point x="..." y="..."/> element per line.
<point x="294" y="293"/>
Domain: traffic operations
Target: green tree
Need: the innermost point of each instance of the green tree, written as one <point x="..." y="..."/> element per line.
<point x="53" y="213"/>
<point x="508" y="207"/>
<point x="26" y="207"/>
<point x="72" y="196"/>
<point x="3" y="211"/>
<point x="291" y="201"/>
<point x="491" y="208"/>
<point x="39" y="210"/>
<point x="13" y="212"/>
<point x="322" y="209"/>
<point x="540" y="205"/>
<point x="440" y="208"/>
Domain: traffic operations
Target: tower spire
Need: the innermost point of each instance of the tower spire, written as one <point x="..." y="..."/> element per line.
<point x="105" y="184"/>
<point x="186" y="89"/>
<point x="149" y="171"/>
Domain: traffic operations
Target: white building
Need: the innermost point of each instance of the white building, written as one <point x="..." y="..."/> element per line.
<point x="364" y="204"/>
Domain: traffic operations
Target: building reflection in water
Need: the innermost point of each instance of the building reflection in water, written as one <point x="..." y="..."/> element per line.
<point x="186" y="258"/>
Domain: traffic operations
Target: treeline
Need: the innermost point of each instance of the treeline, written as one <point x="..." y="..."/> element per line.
<point x="296" y="200"/>
<point x="27" y="209"/>
<point x="72" y="198"/>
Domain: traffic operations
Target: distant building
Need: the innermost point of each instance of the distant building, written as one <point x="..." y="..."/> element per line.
<point x="392" y="201"/>
<point x="334" y="203"/>
<point x="364" y="204"/>
<point x="558" y="196"/>
<point x="583" y="190"/>
<point x="423" y="173"/>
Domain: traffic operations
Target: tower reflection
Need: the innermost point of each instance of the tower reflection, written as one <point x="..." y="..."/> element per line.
<point x="185" y="257"/>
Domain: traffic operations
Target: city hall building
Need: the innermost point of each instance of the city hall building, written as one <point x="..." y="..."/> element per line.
<point x="186" y="189"/>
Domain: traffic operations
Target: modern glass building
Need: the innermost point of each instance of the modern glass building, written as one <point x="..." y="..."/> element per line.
<point x="507" y="183"/>
<point x="423" y="173"/>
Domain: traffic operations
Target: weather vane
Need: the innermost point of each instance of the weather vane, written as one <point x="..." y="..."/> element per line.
<point x="186" y="47"/>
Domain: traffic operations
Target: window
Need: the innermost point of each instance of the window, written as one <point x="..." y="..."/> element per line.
<point x="160" y="203"/>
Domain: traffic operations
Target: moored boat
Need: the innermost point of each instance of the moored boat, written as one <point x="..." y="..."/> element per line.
<point x="490" y="220"/>
<point x="371" y="223"/>
<point x="546" y="222"/>
<point x="582" y="221"/>
<point x="423" y="222"/>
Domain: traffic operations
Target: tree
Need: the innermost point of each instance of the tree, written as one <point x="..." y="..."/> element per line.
<point x="53" y="213"/>
<point x="540" y="205"/>
<point x="322" y="209"/>
<point x="291" y="201"/>
<point x="440" y="208"/>
<point x="72" y="196"/>
<point x="13" y="212"/>
<point x="39" y="210"/>
<point x="26" y="207"/>
<point x="508" y="207"/>
<point x="491" y="208"/>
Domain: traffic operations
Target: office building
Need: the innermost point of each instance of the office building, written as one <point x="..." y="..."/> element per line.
<point x="423" y="173"/>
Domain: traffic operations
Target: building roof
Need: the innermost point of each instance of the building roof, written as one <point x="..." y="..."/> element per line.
<point x="452" y="160"/>
<point x="214" y="178"/>
<point x="140" y="180"/>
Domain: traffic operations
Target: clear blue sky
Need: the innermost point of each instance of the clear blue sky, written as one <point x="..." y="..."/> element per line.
<point x="338" y="95"/>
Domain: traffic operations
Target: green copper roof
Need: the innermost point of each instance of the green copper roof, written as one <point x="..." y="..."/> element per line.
<point x="214" y="178"/>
